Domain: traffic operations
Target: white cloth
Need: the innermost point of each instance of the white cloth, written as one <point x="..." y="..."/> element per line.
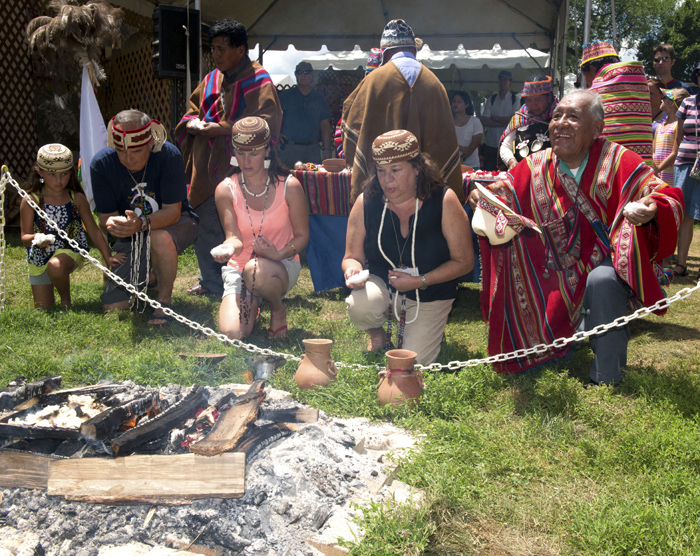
<point x="93" y="133"/>
<point x="502" y="107"/>
<point x="465" y="135"/>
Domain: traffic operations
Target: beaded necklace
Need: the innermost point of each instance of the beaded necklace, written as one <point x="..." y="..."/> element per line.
<point x="137" y="244"/>
<point x="264" y="192"/>
<point x="393" y="298"/>
<point x="245" y="306"/>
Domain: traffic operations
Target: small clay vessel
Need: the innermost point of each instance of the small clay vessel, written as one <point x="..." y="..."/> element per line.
<point x="399" y="383"/>
<point x="316" y="367"/>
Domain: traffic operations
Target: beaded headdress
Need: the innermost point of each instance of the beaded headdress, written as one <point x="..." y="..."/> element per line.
<point x="122" y="139"/>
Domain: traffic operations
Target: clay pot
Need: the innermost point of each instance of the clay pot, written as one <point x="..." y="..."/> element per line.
<point x="316" y="367"/>
<point x="399" y="383"/>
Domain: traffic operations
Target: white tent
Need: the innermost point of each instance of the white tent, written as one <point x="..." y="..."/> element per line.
<point x="281" y="79"/>
<point x="457" y="69"/>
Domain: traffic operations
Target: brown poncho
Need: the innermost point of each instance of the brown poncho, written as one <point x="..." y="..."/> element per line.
<point x="384" y="101"/>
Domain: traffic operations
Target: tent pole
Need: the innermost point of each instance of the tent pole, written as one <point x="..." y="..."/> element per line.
<point x="564" y="50"/>
<point x="614" y="26"/>
<point x="530" y="55"/>
<point x="586" y="36"/>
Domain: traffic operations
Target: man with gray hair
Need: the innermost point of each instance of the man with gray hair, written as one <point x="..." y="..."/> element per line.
<point x="591" y="223"/>
<point x="141" y="198"/>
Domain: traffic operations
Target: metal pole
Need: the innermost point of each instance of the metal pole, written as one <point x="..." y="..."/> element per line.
<point x="614" y="26"/>
<point x="202" y="73"/>
<point x="188" y="77"/>
<point x="564" y="50"/>
<point x="586" y="37"/>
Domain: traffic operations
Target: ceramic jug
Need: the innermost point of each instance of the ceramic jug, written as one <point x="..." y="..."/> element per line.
<point x="316" y="367"/>
<point x="400" y="383"/>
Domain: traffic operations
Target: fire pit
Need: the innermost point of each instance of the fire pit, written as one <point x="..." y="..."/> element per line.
<point x="244" y="470"/>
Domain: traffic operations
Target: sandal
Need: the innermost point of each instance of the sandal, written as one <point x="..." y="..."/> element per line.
<point x="683" y="272"/>
<point x="198" y="289"/>
<point x="281" y="332"/>
<point x="162" y="319"/>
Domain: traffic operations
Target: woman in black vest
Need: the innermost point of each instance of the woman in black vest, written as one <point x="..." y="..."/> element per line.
<point x="406" y="248"/>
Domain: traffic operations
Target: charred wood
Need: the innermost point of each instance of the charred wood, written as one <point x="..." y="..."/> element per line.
<point x="10" y="397"/>
<point x="161" y="424"/>
<point x="103" y="426"/>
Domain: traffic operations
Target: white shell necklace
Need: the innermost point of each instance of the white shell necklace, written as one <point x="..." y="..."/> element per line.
<point x="263" y="192"/>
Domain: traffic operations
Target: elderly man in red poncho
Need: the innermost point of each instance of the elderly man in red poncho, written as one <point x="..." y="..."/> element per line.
<point x="591" y="224"/>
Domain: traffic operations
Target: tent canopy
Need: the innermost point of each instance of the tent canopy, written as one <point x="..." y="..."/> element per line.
<point x="477" y="69"/>
<point x="444" y="24"/>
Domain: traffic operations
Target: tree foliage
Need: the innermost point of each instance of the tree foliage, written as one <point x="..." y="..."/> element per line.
<point x="680" y="28"/>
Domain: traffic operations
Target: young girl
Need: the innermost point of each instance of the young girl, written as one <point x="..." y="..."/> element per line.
<point x="55" y="188"/>
<point x="665" y="146"/>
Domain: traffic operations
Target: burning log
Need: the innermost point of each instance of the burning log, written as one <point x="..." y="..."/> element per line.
<point x="161" y="424"/>
<point x="106" y="423"/>
<point x="257" y="438"/>
<point x="31" y="433"/>
<point x="11" y="396"/>
<point x="232" y="423"/>
<point x="97" y="391"/>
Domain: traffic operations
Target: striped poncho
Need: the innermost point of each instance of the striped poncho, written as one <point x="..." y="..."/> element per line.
<point x="249" y="92"/>
<point x="533" y="290"/>
<point x="625" y="94"/>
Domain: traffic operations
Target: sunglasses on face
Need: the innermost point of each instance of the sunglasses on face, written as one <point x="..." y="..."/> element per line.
<point x="303" y="72"/>
<point x="662" y="59"/>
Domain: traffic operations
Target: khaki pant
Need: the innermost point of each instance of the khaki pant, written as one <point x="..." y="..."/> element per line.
<point x="368" y="308"/>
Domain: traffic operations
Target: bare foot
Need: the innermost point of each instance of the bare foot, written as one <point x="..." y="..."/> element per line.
<point x="377" y="339"/>
<point x="278" y="324"/>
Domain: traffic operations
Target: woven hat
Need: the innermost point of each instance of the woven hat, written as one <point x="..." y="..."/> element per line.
<point x="374" y="60"/>
<point x="396" y="34"/>
<point x="125" y="139"/>
<point x="597" y="49"/>
<point x="54" y="157"/>
<point x="395" y="146"/>
<point x="250" y="134"/>
<point x="532" y="88"/>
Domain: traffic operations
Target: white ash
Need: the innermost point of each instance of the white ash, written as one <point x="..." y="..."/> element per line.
<point x="294" y="487"/>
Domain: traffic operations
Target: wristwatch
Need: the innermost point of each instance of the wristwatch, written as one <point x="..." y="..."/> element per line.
<point x="423" y="283"/>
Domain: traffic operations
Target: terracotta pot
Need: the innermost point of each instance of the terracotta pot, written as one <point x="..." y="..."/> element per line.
<point x="399" y="383"/>
<point x="316" y="367"/>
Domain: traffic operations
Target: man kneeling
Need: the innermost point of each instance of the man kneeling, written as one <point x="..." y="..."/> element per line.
<point x="589" y="255"/>
<point x="141" y="198"/>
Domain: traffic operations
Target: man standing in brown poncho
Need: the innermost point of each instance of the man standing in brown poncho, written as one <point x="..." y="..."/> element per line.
<point x="237" y="88"/>
<point x="401" y="94"/>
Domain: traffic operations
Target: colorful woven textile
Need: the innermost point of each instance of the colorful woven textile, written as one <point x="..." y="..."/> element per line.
<point x="327" y="192"/>
<point x="534" y="285"/>
<point x="625" y="94"/>
<point x="597" y="49"/>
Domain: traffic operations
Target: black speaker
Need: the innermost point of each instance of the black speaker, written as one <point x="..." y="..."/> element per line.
<point x="169" y="44"/>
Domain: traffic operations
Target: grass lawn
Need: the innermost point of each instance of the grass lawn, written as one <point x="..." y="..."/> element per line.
<point x="536" y="464"/>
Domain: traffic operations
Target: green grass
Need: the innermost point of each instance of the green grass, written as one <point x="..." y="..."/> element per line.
<point x="535" y="464"/>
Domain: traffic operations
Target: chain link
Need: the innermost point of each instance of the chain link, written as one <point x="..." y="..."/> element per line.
<point x="451" y="366"/>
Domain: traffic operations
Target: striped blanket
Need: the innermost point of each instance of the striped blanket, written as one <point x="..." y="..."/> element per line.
<point x="625" y="94"/>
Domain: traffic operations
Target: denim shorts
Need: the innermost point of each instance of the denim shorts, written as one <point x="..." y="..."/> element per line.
<point x="690" y="188"/>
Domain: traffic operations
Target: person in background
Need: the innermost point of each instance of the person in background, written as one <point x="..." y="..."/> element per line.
<point x="528" y="129"/>
<point x="401" y="94"/>
<point x="623" y="89"/>
<point x="306" y="120"/>
<point x="265" y="217"/>
<point x="374" y="60"/>
<point x="664" y="59"/>
<point x="685" y="173"/>
<point x="237" y="88"/>
<point x="468" y="127"/>
<point x="498" y="110"/>
<point x="665" y="142"/>
<point x="656" y="97"/>
<point x="55" y="187"/>
<point x="407" y="229"/>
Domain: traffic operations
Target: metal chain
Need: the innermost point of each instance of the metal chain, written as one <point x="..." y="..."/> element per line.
<point x="3" y="245"/>
<point x="452" y="365"/>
